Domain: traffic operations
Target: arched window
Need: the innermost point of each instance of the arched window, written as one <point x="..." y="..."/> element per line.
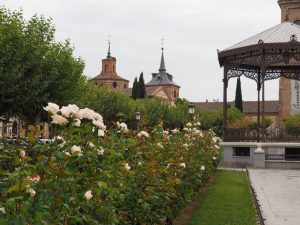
<point x="106" y="68"/>
<point x="114" y="84"/>
<point x="113" y="69"/>
<point x="15" y="128"/>
<point x="125" y="85"/>
<point x="175" y="95"/>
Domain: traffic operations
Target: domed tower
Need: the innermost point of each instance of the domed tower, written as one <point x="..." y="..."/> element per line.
<point x="108" y="76"/>
<point x="289" y="89"/>
<point x="162" y="84"/>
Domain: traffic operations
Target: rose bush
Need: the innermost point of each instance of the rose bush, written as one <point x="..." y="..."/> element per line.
<point x="115" y="177"/>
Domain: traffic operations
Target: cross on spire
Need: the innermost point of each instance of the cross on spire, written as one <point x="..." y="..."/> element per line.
<point x="162" y="43"/>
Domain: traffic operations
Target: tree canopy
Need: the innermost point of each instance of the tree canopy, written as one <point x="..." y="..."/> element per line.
<point x="34" y="68"/>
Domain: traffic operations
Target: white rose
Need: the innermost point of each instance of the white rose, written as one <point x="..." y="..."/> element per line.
<point x="2" y="209"/>
<point x="202" y="168"/>
<point x="67" y="154"/>
<point x="31" y="192"/>
<point x="99" y="124"/>
<point x="127" y="167"/>
<point x="101" y="133"/>
<point x="100" y="151"/>
<point x="91" y="144"/>
<point x="85" y="113"/>
<point x="76" y="150"/>
<point x="97" y="116"/>
<point x="65" y="111"/>
<point x="88" y="195"/>
<point x="185" y="145"/>
<point x="160" y="145"/>
<point x="175" y="131"/>
<point x="214" y="158"/>
<point x="57" y="119"/>
<point x="188" y="124"/>
<point x="77" y="123"/>
<point x="73" y="108"/>
<point x="143" y="134"/>
<point x="123" y="127"/>
<point x="182" y="165"/>
<point x="51" y="108"/>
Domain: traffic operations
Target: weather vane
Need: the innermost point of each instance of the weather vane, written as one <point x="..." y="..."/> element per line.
<point x="162" y="43"/>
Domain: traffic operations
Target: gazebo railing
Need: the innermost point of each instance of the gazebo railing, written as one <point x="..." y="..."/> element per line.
<point x="265" y="135"/>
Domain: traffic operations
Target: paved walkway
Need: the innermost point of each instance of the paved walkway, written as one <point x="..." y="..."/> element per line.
<point x="278" y="192"/>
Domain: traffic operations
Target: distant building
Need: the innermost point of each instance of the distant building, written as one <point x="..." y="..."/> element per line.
<point x="250" y="108"/>
<point x="109" y="77"/>
<point x="162" y="84"/>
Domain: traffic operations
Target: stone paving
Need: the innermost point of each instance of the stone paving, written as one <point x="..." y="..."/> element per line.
<point x="278" y="192"/>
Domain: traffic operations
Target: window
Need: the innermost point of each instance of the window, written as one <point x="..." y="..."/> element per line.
<point x="241" y="151"/>
<point x="292" y="154"/>
<point x="125" y="86"/>
<point x="113" y="69"/>
<point x="105" y="68"/>
<point x="175" y="95"/>
<point x="114" y="84"/>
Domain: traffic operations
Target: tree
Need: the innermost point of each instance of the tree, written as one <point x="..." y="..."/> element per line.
<point x="135" y="89"/>
<point x="238" y="96"/>
<point x="142" y="87"/>
<point x="34" y="68"/>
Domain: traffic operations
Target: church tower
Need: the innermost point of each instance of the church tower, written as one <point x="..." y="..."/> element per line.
<point x="290" y="11"/>
<point x="108" y="76"/>
<point x="162" y="84"/>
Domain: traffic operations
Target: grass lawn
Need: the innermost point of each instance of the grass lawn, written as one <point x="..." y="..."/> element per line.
<point x="227" y="201"/>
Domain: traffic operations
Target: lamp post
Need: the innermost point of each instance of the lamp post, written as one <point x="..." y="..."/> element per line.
<point x="191" y="110"/>
<point x="138" y="118"/>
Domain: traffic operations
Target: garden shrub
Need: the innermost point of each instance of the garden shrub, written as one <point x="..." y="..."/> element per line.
<point x="90" y="175"/>
<point x="292" y="124"/>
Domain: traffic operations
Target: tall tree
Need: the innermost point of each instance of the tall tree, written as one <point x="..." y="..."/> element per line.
<point x="135" y="89"/>
<point x="238" y="96"/>
<point x="34" y="68"/>
<point x="142" y="87"/>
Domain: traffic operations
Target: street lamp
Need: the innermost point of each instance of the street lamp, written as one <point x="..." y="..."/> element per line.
<point x="138" y="118"/>
<point x="191" y="109"/>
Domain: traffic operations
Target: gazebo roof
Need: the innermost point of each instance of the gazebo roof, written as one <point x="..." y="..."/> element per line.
<point x="278" y="34"/>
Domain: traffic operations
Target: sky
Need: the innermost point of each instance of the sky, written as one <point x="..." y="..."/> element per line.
<point x="192" y="30"/>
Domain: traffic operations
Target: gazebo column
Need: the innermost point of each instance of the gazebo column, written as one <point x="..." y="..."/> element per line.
<point x="258" y="106"/>
<point x="225" y="86"/>
<point x="263" y="76"/>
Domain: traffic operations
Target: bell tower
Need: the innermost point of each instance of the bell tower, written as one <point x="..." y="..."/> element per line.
<point x="290" y="11"/>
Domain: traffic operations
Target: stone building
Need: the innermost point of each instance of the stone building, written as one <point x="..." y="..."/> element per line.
<point x="109" y="77"/>
<point x="162" y="84"/>
<point x="289" y="94"/>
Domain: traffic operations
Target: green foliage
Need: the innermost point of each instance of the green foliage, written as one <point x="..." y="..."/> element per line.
<point x="214" y="120"/>
<point x="34" y="69"/>
<point x="132" y="179"/>
<point x="142" y="87"/>
<point x="139" y="88"/>
<point x="112" y="105"/>
<point x="135" y="89"/>
<point x="238" y="95"/>
<point x="292" y="124"/>
<point x="228" y="199"/>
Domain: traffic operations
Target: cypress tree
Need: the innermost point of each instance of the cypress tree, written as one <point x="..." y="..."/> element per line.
<point x="142" y="87"/>
<point x="135" y="89"/>
<point x="238" y="96"/>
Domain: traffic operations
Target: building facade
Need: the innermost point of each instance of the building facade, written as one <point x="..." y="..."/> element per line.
<point x="162" y="85"/>
<point x="289" y="94"/>
<point x="108" y="76"/>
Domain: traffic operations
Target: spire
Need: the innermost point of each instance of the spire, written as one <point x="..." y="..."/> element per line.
<point x="162" y="67"/>
<point x="108" y="53"/>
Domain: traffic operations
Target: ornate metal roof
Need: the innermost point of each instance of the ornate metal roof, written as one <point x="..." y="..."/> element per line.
<point x="278" y="34"/>
<point x="162" y="77"/>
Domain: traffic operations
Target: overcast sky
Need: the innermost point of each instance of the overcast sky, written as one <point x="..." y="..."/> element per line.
<point x="193" y="31"/>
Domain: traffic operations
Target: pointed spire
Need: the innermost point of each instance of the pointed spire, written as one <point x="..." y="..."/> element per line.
<point x="162" y="67"/>
<point x="108" y="53"/>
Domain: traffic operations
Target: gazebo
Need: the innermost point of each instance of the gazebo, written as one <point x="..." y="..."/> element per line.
<point x="269" y="55"/>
